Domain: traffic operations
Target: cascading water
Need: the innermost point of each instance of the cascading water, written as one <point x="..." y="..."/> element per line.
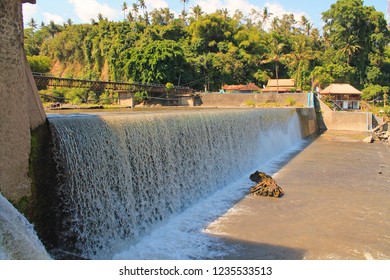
<point x="123" y="175"/>
<point x="18" y="239"/>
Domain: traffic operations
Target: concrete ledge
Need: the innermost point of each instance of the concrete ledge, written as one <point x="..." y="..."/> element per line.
<point x="239" y="99"/>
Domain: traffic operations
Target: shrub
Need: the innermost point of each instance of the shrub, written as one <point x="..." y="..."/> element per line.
<point x="250" y="103"/>
<point x="290" y="101"/>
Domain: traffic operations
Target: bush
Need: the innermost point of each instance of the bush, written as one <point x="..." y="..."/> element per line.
<point x="290" y="101"/>
<point x="250" y="103"/>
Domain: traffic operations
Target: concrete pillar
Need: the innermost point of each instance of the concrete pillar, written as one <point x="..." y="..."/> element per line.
<point x="20" y="107"/>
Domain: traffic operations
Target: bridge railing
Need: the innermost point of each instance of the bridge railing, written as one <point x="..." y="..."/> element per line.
<point x="43" y="80"/>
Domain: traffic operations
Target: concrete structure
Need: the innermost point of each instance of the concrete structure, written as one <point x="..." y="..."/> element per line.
<point x="344" y="96"/>
<point x="280" y="85"/>
<point x="20" y="107"/>
<point x="249" y="88"/>
<point x="357" y="121"/>
<point x="237" y="100"/>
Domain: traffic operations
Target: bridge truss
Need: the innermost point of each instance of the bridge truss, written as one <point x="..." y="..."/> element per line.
<point x="45" y="81"/>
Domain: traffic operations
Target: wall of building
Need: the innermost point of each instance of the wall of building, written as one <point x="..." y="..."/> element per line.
<point x="237" y="99"/>
<point x="20" y="107"/>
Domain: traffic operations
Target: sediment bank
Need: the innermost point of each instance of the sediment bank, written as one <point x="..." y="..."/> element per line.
<point x="335" y="206"/>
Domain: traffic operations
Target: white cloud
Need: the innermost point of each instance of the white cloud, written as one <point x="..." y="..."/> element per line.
<point x="278" y="11"/>
<point x="52" y="17"/>
<point x="156" y="4"/>
<point x="87" y="9"/>
<point x="29" y="11"/>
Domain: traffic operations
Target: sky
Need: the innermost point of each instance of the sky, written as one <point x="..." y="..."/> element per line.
<point x="82" y="11"/>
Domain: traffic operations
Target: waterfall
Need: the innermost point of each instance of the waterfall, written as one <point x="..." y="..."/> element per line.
<point x="122" y="175"/>
<point x="18" y="239"/>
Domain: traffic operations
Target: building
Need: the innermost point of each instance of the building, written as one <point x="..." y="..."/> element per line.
<point x="281" y="86"/>
<point x="344" y="96"/>
<point x="249" y="88"/>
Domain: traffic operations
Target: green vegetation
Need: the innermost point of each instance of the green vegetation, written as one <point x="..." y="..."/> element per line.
<point x="206" y="51"/>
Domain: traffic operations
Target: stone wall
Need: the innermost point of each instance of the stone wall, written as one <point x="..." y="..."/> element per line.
<point x="20" y="107"/>
<point x="239" y="99"/>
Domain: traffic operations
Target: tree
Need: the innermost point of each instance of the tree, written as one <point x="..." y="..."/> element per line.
<point x="125" y="7"/>
<point x="135" y="10"/>
<point x="158" y="62"/>
<point x="197" y="12"/>
<point x="356" y="30"/>
<point x="266" y="17"/>
<point x="32" y="24"/>
<point x="300" y="57"/>
<point x="275" y="55"/>
<point x="184" y="4"/>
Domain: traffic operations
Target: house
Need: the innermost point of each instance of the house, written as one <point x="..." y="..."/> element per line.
<point x="344" y="96"/>
<point x="281" y="86"/>
<point x="249" y="88"/>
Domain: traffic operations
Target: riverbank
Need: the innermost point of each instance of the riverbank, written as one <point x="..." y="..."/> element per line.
<point x="335" y="207"/>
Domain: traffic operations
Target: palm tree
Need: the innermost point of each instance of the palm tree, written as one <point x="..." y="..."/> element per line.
<point x="306" y="26"/>
<point x="275" y="55"/>
<point x="184" y="13"/>
<point x="142" y="4"/>
<point x="124" y="9"/>
<point x="351" y="47"/>
<point x="135" y="10"/>
<point x="184" y="3"/>
<point x="197" y="11"/>
<point x="32" y="23"/>
<point x="300" y="56"/>
<point x="265" y="17"/>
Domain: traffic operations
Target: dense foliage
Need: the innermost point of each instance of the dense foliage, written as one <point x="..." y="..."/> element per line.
<point x="206" y="51"/>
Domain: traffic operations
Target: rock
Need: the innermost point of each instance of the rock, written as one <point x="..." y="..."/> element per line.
<point x="368" y="139"/>
<point x="266" y="185"/>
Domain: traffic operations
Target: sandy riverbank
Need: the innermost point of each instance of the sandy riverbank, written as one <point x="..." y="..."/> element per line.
<point x="336" y="206"/>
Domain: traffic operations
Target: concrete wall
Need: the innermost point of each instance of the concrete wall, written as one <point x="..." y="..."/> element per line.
<point x="237" y="99"/>
<point x="358" y="121"/>
<point x="20" y="107"/>
<point x="344" y="120"/>
<point x="308" y="121"/>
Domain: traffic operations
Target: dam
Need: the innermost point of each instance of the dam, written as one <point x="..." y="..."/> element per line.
<point x="122" y="176"/>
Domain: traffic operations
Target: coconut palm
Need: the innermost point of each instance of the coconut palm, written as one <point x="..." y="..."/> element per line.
<point x="275" y="55"/>
<point x="32" y="23"/>
<point x="197" y="11"/>
<point x="300" y="56"/>
<point x="124" y="9"/>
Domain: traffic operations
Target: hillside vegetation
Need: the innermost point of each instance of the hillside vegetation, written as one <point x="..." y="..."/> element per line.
<point x="206" y="51"/>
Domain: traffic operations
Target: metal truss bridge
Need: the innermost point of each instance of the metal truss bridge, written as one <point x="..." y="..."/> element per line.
<point x="43" y="80"/>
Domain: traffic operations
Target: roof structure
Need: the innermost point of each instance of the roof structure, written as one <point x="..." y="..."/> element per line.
<point x="248" y="87"/>
<point x="280" y="85"/>
<point x="340" y="89"/>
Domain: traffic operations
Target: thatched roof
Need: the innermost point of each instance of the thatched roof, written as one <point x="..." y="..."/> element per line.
<point x="340" y="89"/>
<point x="287" y="83"/>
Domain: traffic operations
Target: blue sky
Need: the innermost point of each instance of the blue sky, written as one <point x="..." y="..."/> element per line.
<point x="81" y="11"/>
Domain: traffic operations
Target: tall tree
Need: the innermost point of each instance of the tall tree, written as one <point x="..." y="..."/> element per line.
<point x="356" y="30"/>
<point x="125" y="7"/>
<point x="32" y="24"/>
<point x="275" y="55"/>
<point x="197" y="12"/>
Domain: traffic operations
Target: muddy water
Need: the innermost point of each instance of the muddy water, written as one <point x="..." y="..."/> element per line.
<point x="336" y="206"/>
